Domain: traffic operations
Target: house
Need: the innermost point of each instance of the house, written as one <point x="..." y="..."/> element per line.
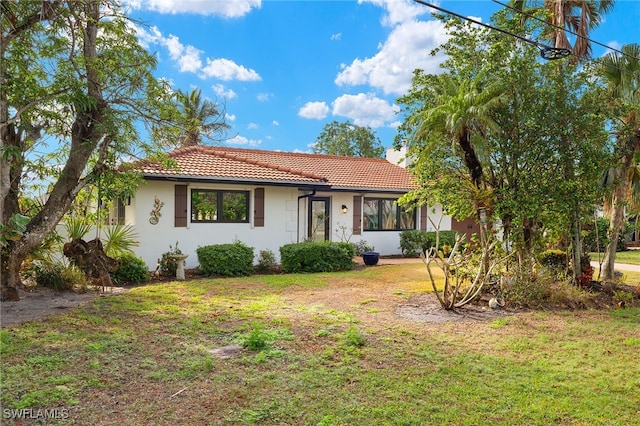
<point x="266" y="199"/>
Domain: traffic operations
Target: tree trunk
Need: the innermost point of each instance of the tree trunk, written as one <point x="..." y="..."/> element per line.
<point x="87" y="133"/>
<point x="577" y="245"/>
<point x="10" y="277"/>
<point x="471" y="158"/>
<point x="616" y="221"/>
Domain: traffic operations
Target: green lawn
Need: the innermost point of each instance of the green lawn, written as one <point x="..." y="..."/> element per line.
<point x="631" y="257"/>
<point x="328" y="349"/>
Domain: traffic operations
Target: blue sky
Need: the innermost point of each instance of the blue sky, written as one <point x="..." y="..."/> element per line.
<point x="284" y="69"/>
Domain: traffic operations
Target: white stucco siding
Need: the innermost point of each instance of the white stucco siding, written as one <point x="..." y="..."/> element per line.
<point x="438" y="218"/>
<point x="285" y="221"/>
<point x="279" y="207"/>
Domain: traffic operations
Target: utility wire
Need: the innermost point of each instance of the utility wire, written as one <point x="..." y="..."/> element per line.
<point x="547" y="52"/>
<point x="551" y="24"/>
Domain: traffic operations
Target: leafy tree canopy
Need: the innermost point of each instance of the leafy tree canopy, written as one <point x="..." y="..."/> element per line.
<point x="75" y="86"/>
<point x="348" y="140"/>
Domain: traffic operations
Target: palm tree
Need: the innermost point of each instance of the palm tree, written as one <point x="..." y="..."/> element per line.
<point x="462" y="109"/>
<point x="577" y="16"/>
<point x="201" y="117"/>
<point x="621" y="72"/>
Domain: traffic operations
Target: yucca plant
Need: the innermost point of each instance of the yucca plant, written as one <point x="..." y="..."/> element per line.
<point x="119" y="240"/>
<point x="77" y="226"/>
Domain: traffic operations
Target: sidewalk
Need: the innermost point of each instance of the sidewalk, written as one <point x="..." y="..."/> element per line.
<point x="399" y="260"/>
<point x="619" y="266"/>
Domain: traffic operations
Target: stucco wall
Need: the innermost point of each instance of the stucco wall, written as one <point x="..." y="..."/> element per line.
<point x="285" y="222"/>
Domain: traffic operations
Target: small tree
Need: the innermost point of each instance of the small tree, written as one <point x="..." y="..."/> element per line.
<point x="348" y="140"/>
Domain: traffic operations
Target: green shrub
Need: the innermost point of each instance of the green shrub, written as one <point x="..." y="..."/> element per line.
<point x="598" y="241"/>
<point x="168" y="264"/>
<point x="256" y="340"/>
<point x="553" y="259"/>
<point x="414" y="242"/>
<point x="131" y="269"/>
<point x="57" y="276"/>
<point x="49" y="275"/>
<point x="353" y="337"/>
<point x="75" y="279"/>
<point x="311" y="256"/>
<point x="226" y="259"/>
<point x="362" y="246"/>
<point x="266" y="261"/>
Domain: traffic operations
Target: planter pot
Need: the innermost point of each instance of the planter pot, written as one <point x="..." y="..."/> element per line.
<point x="370" y="257"/>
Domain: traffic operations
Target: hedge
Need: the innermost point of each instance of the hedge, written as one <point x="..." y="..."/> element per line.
<point x="414" y="242"/>
<point x="325" y="256"/>
<point x="226" y="259"/>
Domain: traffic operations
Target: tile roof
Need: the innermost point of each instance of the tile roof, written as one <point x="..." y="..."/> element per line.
<point x="209" y="162"/>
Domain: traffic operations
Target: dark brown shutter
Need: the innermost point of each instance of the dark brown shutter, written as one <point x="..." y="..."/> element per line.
<point x="424" y="211"/>
<point x="357" y="215"/>
<point x="180" y="218"/>
<point x="258" y="210"/>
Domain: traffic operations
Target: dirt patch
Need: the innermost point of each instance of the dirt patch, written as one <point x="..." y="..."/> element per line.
<point x="426" y="308"/>
<point x="39" y="303"/>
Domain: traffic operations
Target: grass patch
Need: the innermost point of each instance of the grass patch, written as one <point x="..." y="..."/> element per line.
<point x="631" y="257"/>
<point x="313" y="355"/>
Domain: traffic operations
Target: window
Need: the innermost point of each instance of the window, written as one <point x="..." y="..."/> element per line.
<point x="219" y="206"/>
<point x="385" y="214"/>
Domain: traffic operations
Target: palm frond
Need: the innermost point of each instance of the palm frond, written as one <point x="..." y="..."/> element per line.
<point x="119" y="240"/>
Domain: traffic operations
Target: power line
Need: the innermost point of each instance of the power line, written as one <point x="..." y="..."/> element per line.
<point x="551" y="24"/>
<point x="547" y="52"/>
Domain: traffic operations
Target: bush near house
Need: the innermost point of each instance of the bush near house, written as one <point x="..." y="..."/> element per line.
<point x="553" y="259"/>
<point x="56" y="276"/>
<point x="325" y="256"/>
<point x="414" y="242"/>
<point x="168" y="264"/>
<point x="131" y="269"/>
<point x="226" y="259"/>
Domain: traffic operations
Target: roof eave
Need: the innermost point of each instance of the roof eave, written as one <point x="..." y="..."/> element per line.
<point x="369" y="189"/>
<point x="205" y="179"/>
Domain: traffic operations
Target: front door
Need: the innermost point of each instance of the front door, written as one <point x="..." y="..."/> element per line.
<point x="319" y="219"/>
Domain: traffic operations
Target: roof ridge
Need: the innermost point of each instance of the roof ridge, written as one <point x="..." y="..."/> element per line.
<point x="265" y="164"/>
<point x="287" y="153"/>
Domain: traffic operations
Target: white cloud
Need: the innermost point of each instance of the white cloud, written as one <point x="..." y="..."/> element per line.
<point x="264" y="97"/>
<point x="613" y="45"/>
<point x="227" y="9"/>
<point x="406" y="49"/>
<point x="230" y="117"/>
<point x="317" y="110"/>
<point x="188" y="57"/>
<point x="275" y="123"/>
<point x="225" y="69"/>
<point x="398" y="11"/>
<point x="241" y="140"/>
<point x="223" y="92"/>
<point x="365" y="109"/>
<point x="190" y="61"/>
<point x="336" y="37"/>
<point x="252" y="126"/>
